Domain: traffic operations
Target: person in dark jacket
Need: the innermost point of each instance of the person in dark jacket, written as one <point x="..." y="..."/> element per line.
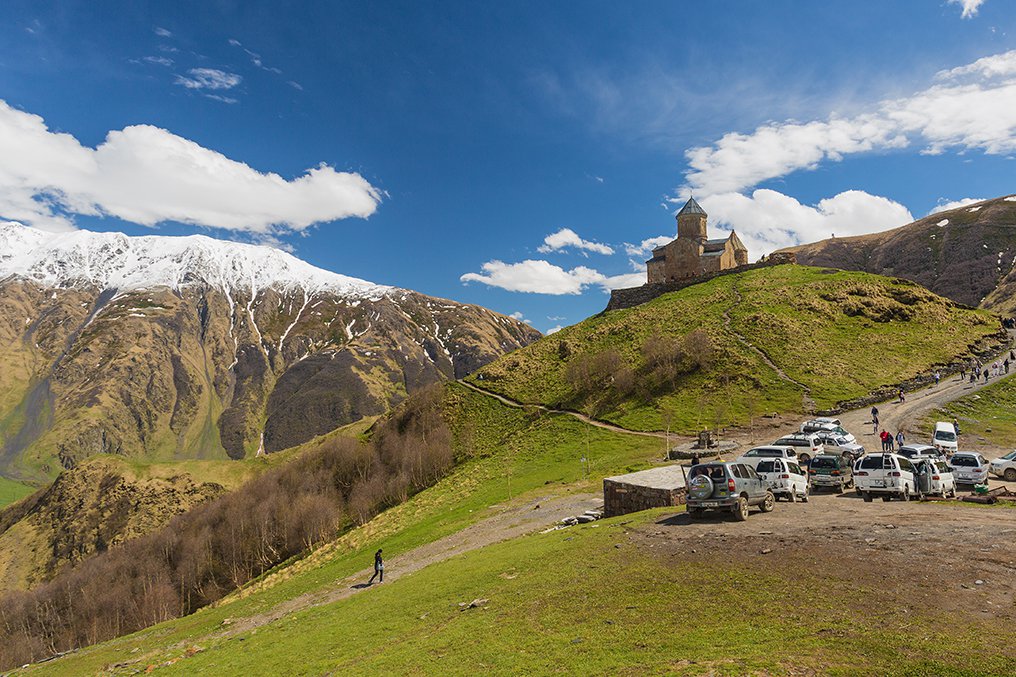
<point x="695" y="460"/>
<point x="379" y="568"/>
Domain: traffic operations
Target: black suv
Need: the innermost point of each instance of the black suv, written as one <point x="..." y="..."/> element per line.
<point x="727" y="486"/>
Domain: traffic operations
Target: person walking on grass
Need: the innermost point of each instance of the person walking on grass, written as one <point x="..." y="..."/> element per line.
<point x="379" y="568"/>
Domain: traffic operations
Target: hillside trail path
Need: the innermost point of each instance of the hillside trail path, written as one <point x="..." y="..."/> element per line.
<point x="808" y="403"/>
<point x="582" y="417"/>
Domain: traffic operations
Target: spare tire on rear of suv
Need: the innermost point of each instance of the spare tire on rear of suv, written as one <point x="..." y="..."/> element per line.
<point x="701" y="488"/>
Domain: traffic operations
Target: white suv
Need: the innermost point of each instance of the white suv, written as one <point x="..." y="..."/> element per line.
<point x="1005" y="467"/>
<point x="753" y="456"/>
<point x="885" y="475"/>
<point x="969" y="467"/>
<point x="784" y="478"/>
<point x="808" y="445"/>
<point x="934" y="476"/>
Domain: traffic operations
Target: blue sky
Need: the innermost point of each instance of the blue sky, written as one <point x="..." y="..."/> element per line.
<point x="445" y="147"/>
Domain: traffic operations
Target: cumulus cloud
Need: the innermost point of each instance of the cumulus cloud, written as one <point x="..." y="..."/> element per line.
<point x="208" y="78"/>
<point x="147" y="175"/>
<point x="646" y="247"/>
<point x="944" y="206"/>
<point x="970" y="7"/>
<point x="971" y="107"/>
<point x="543" y="277"/>
<point x="566" y="237"/>
<point x="768" y="220"/>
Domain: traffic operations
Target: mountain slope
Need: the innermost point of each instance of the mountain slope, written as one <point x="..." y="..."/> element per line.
<point x="966" y="254"/>
<point x="780" y="339"/>
<point x="193" y="348"/>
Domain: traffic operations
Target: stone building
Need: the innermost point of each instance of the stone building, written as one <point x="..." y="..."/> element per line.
<point x="692" y="253"/>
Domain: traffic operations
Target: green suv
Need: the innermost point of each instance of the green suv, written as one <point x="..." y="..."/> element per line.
<point x="731" y="487"/>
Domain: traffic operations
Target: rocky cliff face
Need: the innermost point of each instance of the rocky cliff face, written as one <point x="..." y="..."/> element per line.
<point x="193" y="348"/>
<point x="966" y="254"/>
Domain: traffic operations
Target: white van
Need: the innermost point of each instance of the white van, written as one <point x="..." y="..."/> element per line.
<point x="885" y="475"/>
<point x="944" y="438"/>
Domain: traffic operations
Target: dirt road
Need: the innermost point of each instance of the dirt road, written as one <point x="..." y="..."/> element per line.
<point x="960" y="559"/>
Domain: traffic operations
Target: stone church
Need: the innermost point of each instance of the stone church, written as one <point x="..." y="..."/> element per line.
<point x="692" y="253"/>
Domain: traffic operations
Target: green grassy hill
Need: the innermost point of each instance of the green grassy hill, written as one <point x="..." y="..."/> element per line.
<point x="11" y="491"/>
<point x="986" y="418"/>
<point x="821" y="334"/>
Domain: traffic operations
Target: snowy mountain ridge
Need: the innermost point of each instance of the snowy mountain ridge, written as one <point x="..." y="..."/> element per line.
<point x="125" y="263"/>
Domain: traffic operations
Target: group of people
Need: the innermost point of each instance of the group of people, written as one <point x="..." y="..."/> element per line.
<point x="994" y="370"/>
<point x="889" y="443"/>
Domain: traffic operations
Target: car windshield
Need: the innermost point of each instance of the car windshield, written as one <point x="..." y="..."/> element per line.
<point x="964" y="460"/>
<point x="839" y="431"/>
<point x="823" y="462"/>
<point x="767" y="453"/>
<point x="945" y="436"/>
<point x="1011" y="456"/>
<point x="767" y="466"/>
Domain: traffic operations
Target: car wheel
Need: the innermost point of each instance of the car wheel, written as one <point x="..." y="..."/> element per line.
<point x="867" y="496"/>
<point x="804" y="499"/>
<point x="1009" y="474"/>
<point x="952" y="493"/>
<point x="792" y="496"/>
<point x="906" y="493"/>
<point x="741" y="509"/>
<point x="769" y="503"/>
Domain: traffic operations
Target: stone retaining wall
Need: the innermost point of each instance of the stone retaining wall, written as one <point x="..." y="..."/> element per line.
<point x="621" y="498"/>
<point x="634" y="296"/>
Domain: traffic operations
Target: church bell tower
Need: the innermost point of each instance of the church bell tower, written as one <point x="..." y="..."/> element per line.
<point x="691" y="221"/>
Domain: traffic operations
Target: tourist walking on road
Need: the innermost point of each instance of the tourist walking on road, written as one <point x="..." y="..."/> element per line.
<point x="900" y="438"/>
<point x="1006" y="365"/>
<point x="956" y="426"/>
<point x="379" y="568"/>
<point x="903" y="398"/>
<point x="884" y="436"/>
<point x="938" y="377"/>
<point x="985" y="374"/>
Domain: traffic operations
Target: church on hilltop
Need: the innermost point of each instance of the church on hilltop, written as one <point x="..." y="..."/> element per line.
<point x="692" y="253"/>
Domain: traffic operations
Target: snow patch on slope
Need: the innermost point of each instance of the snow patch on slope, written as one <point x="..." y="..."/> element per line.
<point x="125" y="263"/>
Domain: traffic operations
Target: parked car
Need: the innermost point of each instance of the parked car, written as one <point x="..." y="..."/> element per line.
<point x="807" y="445"/>
<point x="1005" y="466"/>
<point x="944" y="438"/>
<point x="913" y="450"/>
<point x="834" y="443"/>
<point x="731" y="487"/>
<point x="885" y="475"/>
<point x="831" y="470"/>
<point x="784" y="478"/>
<point x="753" y="456"/>
<point x="822" y="425"/>
<point x="934" y="477"/>
<point x="969" y="467"/>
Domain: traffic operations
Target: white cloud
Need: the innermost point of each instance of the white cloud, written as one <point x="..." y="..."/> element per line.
<point x="970" y="7"/>
<point x="209" y="78"/>
<point x="972" y="107"/>
<point x="768" y="220"/>
<point x="147" y="175"/>
<point x="553" y="330"/>
<point x="944" y="206"/>
<point x="233" y="42"/>
<point x="646" y="247"/>
<point x="162" y="32"/>
<point x="537" y="277"/>
<point x="158" y="60"/>
<point x="566" y="237"/>
<point x="543" y="277"/>
<point x="295" y="85"/>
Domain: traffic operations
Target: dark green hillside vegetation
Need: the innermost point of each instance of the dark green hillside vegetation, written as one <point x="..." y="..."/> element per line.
<point x="819" y="334"/>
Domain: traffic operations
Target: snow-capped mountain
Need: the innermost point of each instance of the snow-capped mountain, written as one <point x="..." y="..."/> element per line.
<point x="117" y="261"/>
<point x="191" y="347"/>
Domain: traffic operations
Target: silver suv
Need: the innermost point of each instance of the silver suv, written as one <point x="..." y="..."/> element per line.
<point x="727" y="486"/>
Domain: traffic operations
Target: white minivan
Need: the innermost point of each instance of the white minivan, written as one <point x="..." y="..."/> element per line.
<point x="885" y="475"/>
<point x="784" y="478"/>
<point x="944" y="438"/>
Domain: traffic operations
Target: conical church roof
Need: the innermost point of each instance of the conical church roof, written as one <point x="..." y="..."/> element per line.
<point x="691" y="207"/>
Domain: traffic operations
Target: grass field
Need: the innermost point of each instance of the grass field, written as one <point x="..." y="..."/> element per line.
<point x="11" y="491"/>
<point x="836" y="334"/>
<point x="592" y="601"/>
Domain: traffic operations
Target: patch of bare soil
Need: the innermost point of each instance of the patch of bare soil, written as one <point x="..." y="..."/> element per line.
<point x="940" y="558"/>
